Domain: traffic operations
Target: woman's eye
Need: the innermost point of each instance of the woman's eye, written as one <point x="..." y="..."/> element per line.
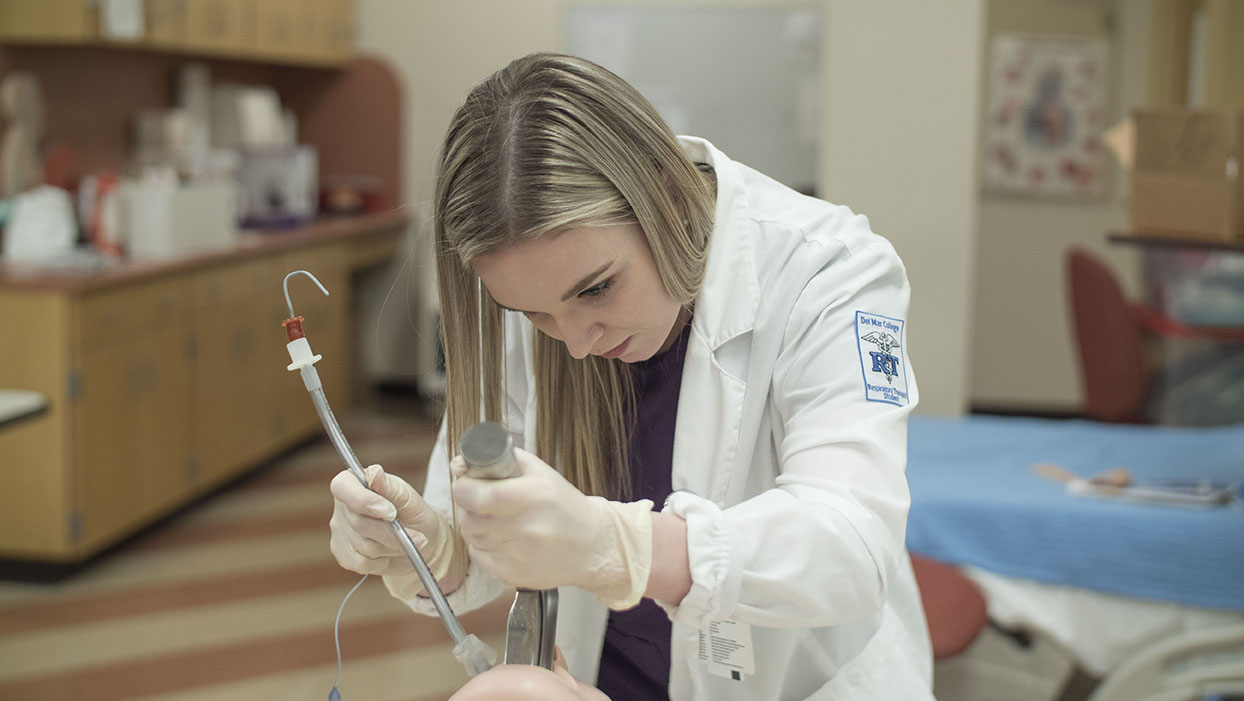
<point x="596" y="290"/>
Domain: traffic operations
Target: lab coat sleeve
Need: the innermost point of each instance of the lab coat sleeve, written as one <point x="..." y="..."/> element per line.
<point x="819" y="547"/>
<point x="479" y="587"/>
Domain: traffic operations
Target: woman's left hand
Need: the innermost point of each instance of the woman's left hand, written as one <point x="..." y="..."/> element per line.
<point x="538" y="531"/>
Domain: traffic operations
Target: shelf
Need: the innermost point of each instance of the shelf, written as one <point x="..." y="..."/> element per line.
<point x="1174" y="241"/>
<point x="286" y="32"/>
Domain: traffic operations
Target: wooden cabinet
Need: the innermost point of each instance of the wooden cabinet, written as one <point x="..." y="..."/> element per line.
<point x="167" y="22"/>
<point x="165" y="384"/>
<point x="276" y="28"/>
<point x="36" y="501"/>
<point x="214" y="26"/>
<point x="134" y="459"/>
<point x="46" y="20"/>
<point x="234" y="378"/>
<point x="309" y="32"/>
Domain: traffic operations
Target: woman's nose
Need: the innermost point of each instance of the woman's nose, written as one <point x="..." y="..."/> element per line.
<point x="578" y="333"/>
<point x="580" y="338"/>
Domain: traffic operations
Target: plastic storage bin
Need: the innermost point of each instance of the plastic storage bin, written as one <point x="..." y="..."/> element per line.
<point x="1196" y="287"/>
<point x="1200" y="382"/>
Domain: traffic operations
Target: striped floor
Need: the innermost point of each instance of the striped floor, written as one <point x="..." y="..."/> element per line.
<point x="235" y="599"/>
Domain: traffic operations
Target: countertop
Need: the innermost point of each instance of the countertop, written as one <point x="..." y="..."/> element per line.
<point x="251" y="243"/>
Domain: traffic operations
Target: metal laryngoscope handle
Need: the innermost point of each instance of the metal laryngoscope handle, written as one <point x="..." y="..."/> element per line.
<point x="488" y="451"/>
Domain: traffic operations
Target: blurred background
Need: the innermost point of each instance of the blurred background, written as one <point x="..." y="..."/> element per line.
<point x="1060" y="178"/>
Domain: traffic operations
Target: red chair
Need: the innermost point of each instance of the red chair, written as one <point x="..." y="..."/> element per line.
<point x="953" y="605"/>
<point x="1110" y="342"/>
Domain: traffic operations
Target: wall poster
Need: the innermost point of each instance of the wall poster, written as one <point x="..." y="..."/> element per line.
<point x="1047" y="109"/>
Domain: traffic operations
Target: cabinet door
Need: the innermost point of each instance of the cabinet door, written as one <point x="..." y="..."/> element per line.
<point x="35" y="460"/>
<point x="336" y="26"/>
<point x="236" y="417"/>
<point x="275" y="29"/>
<point x="167" y="22"/>
<point x="305" y="20"/>
<point x="133" y="416"/>
<point x="46" y="20"/>
<point x="249" y="27"/>
<point x="214" y="26"/>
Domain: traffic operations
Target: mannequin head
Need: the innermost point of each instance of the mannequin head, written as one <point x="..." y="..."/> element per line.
<point x="515" y="682"/>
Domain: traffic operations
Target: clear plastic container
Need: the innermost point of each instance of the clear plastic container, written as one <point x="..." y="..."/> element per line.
<point x="1196" y="287"/>
<point x="1200" y="382"/>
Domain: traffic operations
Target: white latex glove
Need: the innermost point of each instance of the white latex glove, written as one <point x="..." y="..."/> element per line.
<point x="364" y="542"/>
<point x="538" y="531"/>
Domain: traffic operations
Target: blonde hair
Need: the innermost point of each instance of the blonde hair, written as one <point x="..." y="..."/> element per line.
<point x="548" y="143"/>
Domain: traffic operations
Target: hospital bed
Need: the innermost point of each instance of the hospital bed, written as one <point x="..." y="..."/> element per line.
<point x="1135" y="593"/>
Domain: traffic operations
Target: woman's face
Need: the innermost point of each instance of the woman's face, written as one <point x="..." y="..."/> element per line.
<point x="594" y="288"/>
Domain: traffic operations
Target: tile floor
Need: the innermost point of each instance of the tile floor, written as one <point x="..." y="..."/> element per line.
<point x="235" y="597"/>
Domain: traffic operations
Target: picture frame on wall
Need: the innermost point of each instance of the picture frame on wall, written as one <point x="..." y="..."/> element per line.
<point x="1047" y="108"/>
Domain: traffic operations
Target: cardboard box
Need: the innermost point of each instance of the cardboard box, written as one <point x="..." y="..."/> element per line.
<point x="1185" y="182"/>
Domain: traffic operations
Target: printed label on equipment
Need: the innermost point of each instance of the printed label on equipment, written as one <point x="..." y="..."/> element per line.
<point x="727" y="649"/>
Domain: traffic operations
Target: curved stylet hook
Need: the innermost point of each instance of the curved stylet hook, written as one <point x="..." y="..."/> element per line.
<point x="286" y="286"/>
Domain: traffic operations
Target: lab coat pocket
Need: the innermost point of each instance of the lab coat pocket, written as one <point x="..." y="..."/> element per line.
<point x="884" y="669"/>
<point x="733" y="356"/>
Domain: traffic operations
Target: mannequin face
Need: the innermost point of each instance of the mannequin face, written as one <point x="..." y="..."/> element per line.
<point x="594" y="288"/>
<point x="527" y="683"/>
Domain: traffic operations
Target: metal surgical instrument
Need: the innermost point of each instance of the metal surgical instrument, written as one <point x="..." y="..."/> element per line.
<point x="488" y="451"/>
<point x="472" y="652"/>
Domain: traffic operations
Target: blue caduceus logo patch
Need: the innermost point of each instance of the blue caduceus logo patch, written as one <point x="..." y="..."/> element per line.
<point x="880" y="341"/>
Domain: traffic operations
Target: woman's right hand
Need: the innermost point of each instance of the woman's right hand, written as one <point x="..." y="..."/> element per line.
<point x="364" y="542"/>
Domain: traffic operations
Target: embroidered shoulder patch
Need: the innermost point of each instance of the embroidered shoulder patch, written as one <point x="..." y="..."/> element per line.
<point x="880" y="341"/>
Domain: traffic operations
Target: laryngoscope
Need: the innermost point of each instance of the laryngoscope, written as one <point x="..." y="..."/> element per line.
<point x="488" y="451"/>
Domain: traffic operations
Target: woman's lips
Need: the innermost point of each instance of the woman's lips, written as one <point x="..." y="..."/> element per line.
<point x="618" y="351"/>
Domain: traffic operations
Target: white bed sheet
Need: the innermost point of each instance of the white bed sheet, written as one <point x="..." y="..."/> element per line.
<point x="1100" y="631"/>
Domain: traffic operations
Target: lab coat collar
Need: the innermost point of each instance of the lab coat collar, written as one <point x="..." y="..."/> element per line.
<point x="727" y="303"/>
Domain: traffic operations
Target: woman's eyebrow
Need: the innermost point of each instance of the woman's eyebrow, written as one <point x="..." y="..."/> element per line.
<point x="586" y="281"/>
<point x="576" y="289"/>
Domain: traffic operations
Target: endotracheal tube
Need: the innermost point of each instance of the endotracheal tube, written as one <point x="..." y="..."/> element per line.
<point x="472" y="652"/>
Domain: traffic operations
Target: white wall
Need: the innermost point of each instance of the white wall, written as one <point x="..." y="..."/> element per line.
<point x="899" y="147"/>
<point x="897" y="140"/>
<point x="439" y="50"/>
<point x="760" y="106"/>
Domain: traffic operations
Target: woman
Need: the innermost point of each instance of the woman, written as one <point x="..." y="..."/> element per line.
<point x="667" y="327"/>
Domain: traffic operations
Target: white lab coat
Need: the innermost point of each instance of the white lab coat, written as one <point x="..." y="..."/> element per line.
<point x="788" y="471"/>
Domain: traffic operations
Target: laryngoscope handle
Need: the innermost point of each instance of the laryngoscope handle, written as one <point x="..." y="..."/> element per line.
<point x="488" y="451"/>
